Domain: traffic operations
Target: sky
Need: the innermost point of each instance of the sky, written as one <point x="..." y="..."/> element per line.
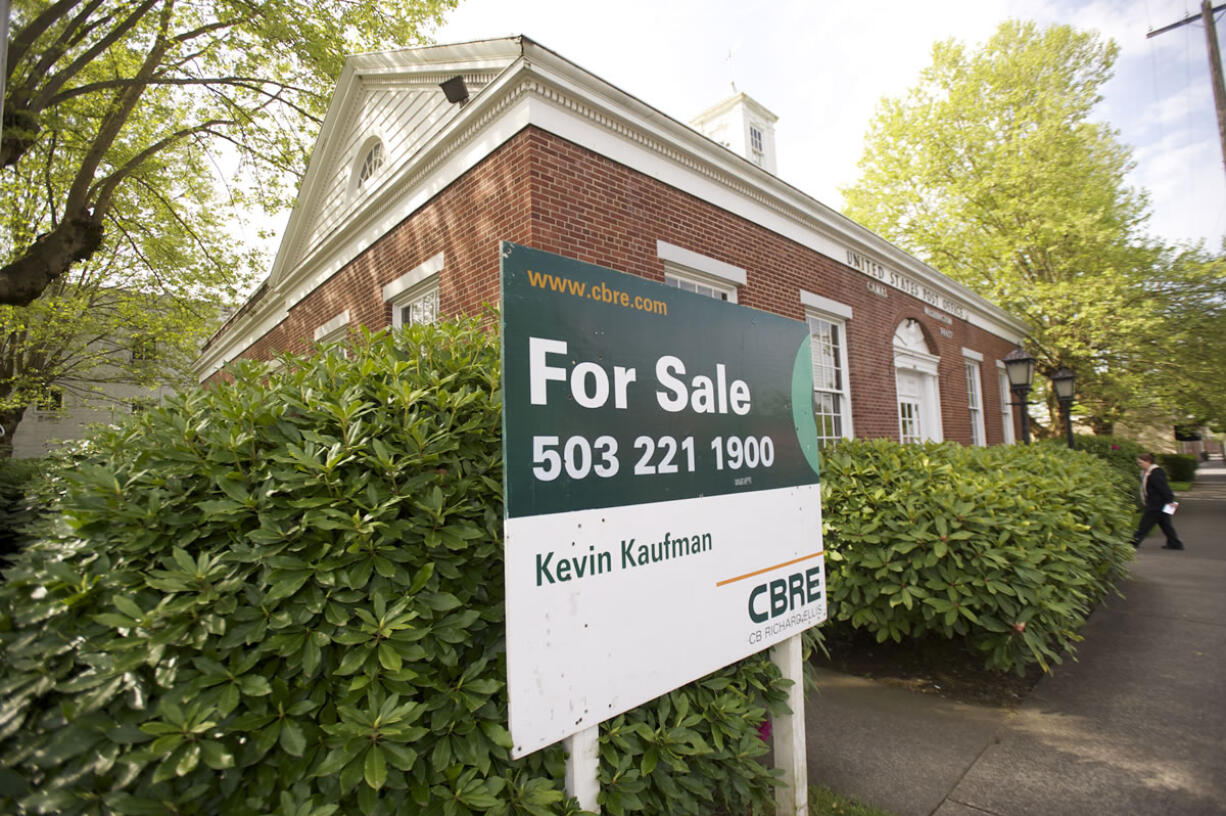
<point x="823" y="65"/>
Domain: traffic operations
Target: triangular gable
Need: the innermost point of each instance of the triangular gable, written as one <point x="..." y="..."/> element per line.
<point x="391" y="98"/>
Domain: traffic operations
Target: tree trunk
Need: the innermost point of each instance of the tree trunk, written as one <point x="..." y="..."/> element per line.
<point x="1059" y="426"/>
<point x="21" y="129"/>
<point x="51" y="255"/>
<point x="1102" y="426"/>
<point x="9" y="420"/>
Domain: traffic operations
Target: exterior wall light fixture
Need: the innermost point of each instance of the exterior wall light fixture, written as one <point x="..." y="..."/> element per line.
<point x="455" y="90"/>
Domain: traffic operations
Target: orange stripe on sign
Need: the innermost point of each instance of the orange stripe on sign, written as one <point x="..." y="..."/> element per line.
<point x="768" y="569"/>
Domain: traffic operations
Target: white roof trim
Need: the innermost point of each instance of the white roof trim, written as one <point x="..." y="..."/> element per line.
<point x="539" y="88"/>
<point x="671" y="253"/>
<point x="971" y="354"/>
<point x="825" y="304"/>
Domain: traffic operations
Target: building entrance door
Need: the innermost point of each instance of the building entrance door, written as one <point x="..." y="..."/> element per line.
<point x="917" y="384"/>
<point x="910" y="408"/>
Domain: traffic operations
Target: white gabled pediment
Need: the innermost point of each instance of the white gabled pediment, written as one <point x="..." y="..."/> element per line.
<point x="514" y="83"/>
<point x="390" y="98"/>
<point x="399" y="120"/>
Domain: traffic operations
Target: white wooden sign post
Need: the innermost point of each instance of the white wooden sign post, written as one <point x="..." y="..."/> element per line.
<point x="663" y="511"/>
<point x="583" y="766"/>
<point x="788" y="732"/>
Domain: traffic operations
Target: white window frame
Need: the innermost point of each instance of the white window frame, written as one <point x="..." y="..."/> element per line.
<point x="359" y="177"/>
<point x="334" y="330"/>
<point x="837" y="316"/>
<point x="974" y="396"/>
<point x="1006" y="404"/>
<point x="910" y="422"/>
<point x="926" y="366"/>
<point x="704" y="275"/>
<point x="412" y="287"/>
<point x="757" y="143"/>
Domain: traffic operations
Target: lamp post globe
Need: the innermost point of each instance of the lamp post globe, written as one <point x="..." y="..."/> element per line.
<point x="1064" y="384"/>
<point x="1019" y="368"/>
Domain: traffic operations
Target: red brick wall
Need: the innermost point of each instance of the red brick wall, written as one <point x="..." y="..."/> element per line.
<point x="465" y="222"/>
<point x="588" y="207"/>
<point x="542" y="191"/>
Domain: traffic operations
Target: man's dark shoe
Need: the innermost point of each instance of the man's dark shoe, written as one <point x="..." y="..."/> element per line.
<point x="1170" y="547"/>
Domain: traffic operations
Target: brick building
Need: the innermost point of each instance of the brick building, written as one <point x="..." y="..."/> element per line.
<point x="417" y="178"/>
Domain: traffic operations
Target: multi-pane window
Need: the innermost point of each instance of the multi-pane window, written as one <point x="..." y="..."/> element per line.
<point x="910" y="428"/>
<point x="144" y="347"/>
<point x="372" y="161"/>
<point x="975" y="403"/>
<point x="414" y="296"/>
<point x="690" y="284"/>
<point x="757" y="145"/>
<point x="418" y="307"/>
<point x="50" y="399"/>
<point x="694" y="272"/>
<point x="829" y="379"/>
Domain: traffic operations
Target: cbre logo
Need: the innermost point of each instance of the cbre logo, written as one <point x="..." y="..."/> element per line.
<point x="783" y="595"/>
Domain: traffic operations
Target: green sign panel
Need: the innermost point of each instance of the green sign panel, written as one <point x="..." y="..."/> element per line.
<point x="622" y="391"/>
<point x="663" y="516"/>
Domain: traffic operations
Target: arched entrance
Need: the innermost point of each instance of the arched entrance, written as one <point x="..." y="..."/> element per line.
<point x="915" y="377"/>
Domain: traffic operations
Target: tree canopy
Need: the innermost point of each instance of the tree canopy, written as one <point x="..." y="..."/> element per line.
<point x="103" y="95"/>
<point x="134" y="133"/>
<point x="992" y="170"/>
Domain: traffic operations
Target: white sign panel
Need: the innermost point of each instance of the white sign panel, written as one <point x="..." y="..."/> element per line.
<point x="663" y="513"/>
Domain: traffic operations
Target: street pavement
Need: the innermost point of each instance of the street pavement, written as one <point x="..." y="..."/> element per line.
<point x="1136" y="725"/>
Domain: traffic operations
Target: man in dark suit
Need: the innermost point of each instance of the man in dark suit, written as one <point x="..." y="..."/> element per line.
<point x="1158" y="503"/>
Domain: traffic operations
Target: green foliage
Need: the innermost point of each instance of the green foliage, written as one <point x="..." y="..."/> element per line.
<point x="284" y="595"/>
<point x="1010" y="553"/>
<point x="1118" y="452"/>
<point x="134" y="135"/>
<point x="1179" y="467"/>
<point x="695" y="750"/>
<point x="825" y="802"/>
<point x="1189" y="388"/>
<point x="17" y="476"/>
<point x="993" y="169"/>
<point x="147" y="126"/>
<point x="80" y="335"/>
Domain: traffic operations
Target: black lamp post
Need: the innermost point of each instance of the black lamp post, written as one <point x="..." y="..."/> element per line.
<point x="1019" y="368"/>
<point x="1064" y="382"/>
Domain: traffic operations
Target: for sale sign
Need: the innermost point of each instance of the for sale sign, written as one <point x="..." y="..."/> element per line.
<point x="663" y="516"/>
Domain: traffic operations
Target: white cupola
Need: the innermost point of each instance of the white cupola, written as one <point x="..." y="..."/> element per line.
<point x="743" y="126"/>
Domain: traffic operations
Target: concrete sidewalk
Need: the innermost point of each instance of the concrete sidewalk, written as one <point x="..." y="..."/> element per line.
<point x="1136" y="726"/>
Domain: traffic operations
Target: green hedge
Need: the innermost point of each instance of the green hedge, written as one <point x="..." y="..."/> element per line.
<point x="284" y="595"/>
<point x="1118" y="452"/>
<point x="27" y="489"/>
<point x="1179" y="467"/>
<point x="17" y="476"/>
<point x="1008" y="548"/>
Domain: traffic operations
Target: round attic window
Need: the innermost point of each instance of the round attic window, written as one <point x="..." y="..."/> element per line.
<point x="372" y="161"/>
